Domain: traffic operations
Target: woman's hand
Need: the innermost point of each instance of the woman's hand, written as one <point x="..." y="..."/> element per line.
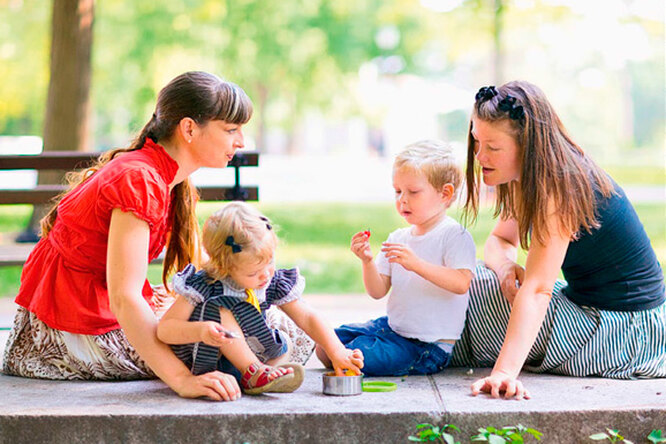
<point x="511" y="277"/>
<point x="212" y="333"/>
<point x="215" y="385"/>
<point x="401" y="254"/>
<point x="498" y="383"/>
<point x="360" y="246"/>
<point x="346" y="359"/>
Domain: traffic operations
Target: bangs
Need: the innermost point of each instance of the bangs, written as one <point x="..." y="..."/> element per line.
<point x="235" y="105"/>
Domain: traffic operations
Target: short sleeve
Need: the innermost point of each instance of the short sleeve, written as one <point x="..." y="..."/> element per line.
<point x="138" y="190"/>
<point x="286" y="286"/>
<point x="191" y="285"/>
<point x="460" y="252"/>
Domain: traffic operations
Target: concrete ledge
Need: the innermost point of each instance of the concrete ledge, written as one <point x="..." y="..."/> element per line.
<point x="566" y="410"/>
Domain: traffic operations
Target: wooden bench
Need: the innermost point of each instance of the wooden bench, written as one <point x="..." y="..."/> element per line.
<point x="16" y="254"/>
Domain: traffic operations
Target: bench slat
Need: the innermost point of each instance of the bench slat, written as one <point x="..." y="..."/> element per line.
<point x="44" y="193"/>
<point x="16" y="254"/>
<point x="71" y="160"/>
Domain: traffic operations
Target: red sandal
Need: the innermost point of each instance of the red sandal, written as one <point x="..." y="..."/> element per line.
<point x="255" y="380"/>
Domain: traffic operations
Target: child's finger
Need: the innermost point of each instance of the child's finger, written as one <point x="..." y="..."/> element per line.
<point x="359" y="235"/>
<point x="354" y="368"/>
<point x="358" y="362"/>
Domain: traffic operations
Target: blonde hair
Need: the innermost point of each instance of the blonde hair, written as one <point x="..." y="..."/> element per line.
<point x="251" y="234"/>
<point x="432" y="158"/>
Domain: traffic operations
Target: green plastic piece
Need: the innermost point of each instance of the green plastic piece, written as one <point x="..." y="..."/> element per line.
<point x="379" y="386"/>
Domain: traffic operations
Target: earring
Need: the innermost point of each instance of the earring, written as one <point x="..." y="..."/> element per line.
<point x="189" y="140"/>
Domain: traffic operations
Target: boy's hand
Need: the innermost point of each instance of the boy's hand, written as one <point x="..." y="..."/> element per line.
<point x="346" y="359"/>
<point x="214" y="334"/>
<point x="401" y="254"/>
<point x="361" y="247"/>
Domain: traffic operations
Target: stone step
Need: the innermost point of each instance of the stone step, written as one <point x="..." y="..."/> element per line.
<point x="564" y="409"/>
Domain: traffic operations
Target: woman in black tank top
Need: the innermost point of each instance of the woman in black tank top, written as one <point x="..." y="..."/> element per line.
<point x="555" y="202"/>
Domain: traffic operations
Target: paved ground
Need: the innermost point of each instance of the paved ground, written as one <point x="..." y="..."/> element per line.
<point x="566" y="410"/>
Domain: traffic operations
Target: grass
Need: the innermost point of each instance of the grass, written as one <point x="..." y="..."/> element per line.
<point x="637" y="175"/>
<point x="315" y="237"/>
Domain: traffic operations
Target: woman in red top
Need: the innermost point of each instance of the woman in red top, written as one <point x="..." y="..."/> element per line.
<point x="86" y="308"/>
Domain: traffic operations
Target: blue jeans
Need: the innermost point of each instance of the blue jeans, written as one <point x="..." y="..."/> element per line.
<point x="387" y="353"/>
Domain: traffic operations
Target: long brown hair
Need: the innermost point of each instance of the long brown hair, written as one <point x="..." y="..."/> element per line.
<point x="552" y="165"/>
<point x="202" y="97"/>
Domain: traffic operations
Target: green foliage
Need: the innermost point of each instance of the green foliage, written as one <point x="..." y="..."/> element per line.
<point x="430" y="433"/>
<point x="612" y="436"/>
<point x="301" y="54"/>
<point x="512" y="435"/>
<point x="656" y="437"/>
<point x="509" y="434"/>
<point x="24" y="63"/>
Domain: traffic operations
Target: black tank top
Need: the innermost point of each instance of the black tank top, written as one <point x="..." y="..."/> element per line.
<point x="614" y="267"/>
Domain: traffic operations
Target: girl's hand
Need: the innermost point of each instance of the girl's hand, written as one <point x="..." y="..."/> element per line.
<point x="212" y="333"/>
<point x="346" y="359"/>
<point x="401" y="254"/>
<point x="360" y="246"/>
<point x="215" y="385"/>
<point x="511" y="276"/>
<point x="499" y="382"/>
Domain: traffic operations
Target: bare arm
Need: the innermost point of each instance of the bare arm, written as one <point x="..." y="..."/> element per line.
<point x="529" y="309"/>
<point x="175" y="327"/>
<point x="127" y="263"/>
<point x="317" y="328"/>
<point x="376" y="284"/>
<point x="454" y="280"/>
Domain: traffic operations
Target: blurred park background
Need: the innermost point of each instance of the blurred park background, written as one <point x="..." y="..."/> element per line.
<point x="339" y="86"/>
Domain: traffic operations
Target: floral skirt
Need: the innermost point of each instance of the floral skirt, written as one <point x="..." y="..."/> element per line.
<point x="35" y="350"/>
<point x="573" y="340"/>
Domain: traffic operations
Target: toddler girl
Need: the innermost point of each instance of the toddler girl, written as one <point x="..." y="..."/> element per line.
<point x="236" y="286"/>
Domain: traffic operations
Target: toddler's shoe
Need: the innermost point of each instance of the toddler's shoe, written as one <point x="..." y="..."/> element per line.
<point x="255" y="380"/>
<point x="292" y="384"/>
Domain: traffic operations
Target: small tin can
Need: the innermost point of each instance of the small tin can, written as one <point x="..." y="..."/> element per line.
<point x="342" y="385"/>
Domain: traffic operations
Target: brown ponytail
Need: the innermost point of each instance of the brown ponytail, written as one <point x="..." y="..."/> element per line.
<point x="202" y="97"/>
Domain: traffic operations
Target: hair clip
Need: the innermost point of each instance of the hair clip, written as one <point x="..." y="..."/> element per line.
<point x="265" y="219"/>
<point x="486" y="93"/>
<point x="235" y="248"/>
<point x="508" y="104"/>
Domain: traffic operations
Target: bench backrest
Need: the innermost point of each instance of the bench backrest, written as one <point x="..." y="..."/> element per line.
<point x="71" y="160"/>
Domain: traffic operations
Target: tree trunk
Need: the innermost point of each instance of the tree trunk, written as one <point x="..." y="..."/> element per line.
<point x="68" y="102"/>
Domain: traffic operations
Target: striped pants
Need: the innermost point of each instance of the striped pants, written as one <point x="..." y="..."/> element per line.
<point x="573" y="340"/>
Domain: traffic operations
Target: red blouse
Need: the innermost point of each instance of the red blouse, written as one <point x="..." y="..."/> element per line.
<point x="64" y="279"/>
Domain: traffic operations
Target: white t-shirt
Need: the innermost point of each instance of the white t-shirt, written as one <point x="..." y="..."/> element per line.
<point x="417" y="308"/>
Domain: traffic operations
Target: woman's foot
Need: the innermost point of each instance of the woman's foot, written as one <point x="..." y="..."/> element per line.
<point x="261" y="378"/>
